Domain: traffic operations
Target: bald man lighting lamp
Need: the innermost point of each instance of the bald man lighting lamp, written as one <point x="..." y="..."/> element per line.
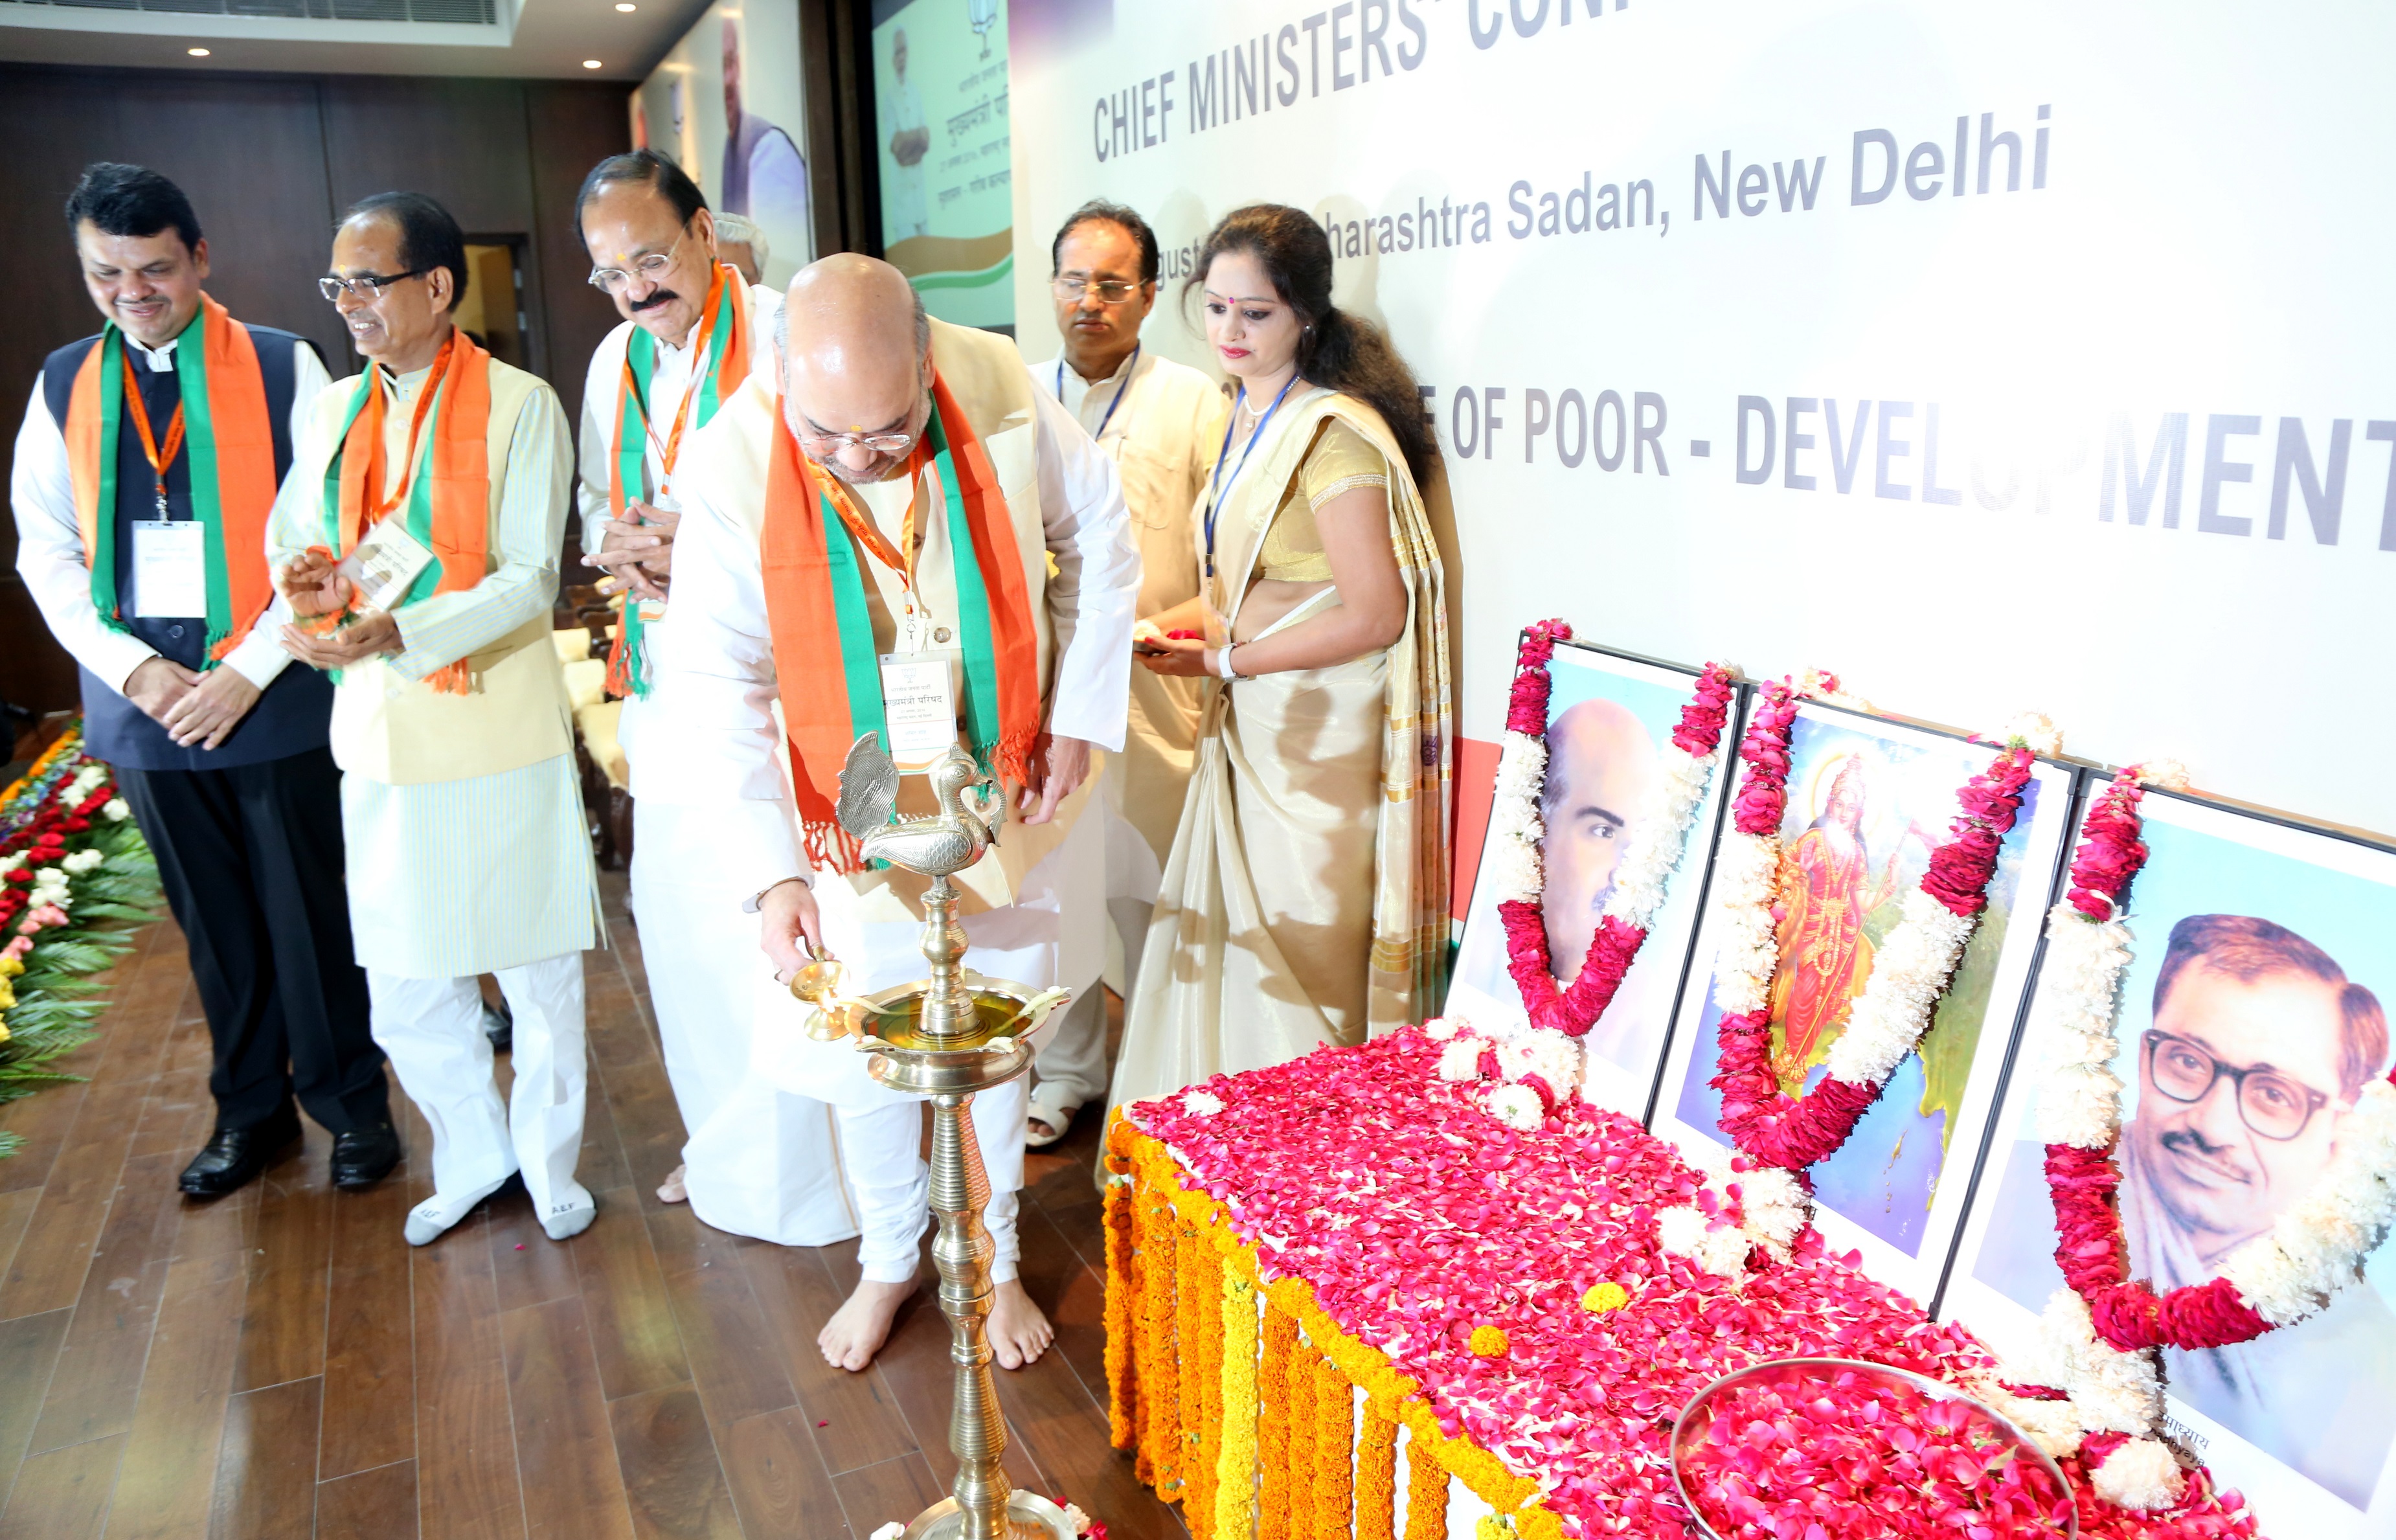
<point x="947" y="1037"/>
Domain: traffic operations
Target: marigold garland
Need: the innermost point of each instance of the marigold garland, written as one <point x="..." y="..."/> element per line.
<point x="1334" y="1444"/>
<point x="1297" y="1469"/>
<point x="1162" y="1437"/>
<point x="1425" y="1495"/>
<point x="1191" y="1398"/>
<point x="1272" y="1424"/>
<point x="1206" y="1287"/>
<point x="1121" y="1431"/>
<point x="1158" y="1177"/>
<point x="1376" y="1476"/>
<point x="1235" y="1464"/>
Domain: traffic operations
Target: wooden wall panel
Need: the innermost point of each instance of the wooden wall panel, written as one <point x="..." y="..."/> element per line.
<point x="268" y="160"/>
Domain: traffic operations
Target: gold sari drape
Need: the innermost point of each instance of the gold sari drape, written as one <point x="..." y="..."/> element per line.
<point x="1306" y="899"/>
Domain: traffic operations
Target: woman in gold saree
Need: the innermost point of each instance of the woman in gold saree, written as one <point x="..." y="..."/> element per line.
<point x="1305" y="901"/>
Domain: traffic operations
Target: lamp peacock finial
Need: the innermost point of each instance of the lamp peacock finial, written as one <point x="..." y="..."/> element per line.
<point x="947" y="842"/>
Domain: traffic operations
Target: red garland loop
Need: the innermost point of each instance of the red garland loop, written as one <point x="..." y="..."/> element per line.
<point x="1764" y="1120"/>
<point x="1615" y="944"/>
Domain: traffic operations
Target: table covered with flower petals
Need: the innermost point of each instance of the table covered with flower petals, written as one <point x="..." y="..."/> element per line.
<point x="1497" y="1296"/>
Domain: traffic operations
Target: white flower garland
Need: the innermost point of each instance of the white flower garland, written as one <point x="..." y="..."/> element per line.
<point x="1522" y="1053"/>
<point x="1515" y="824"/>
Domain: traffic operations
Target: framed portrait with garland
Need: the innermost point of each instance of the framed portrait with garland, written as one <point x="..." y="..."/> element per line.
<point x="1616" y="803"/>
<point x="1873" y="908"/>
<point x="2201" y="1099"/>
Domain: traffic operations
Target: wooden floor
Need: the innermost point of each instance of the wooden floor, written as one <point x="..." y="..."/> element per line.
<point x="281" y="1365"/>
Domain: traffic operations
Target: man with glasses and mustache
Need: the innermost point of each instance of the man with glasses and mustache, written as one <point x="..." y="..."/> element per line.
<point x="160" y="590"/>
<point x="417" y="541"/>
<point x="758" y="1162"/>
<point x="903" y="533"/>
<point x="2259" y="1047"/>
<point x="1159" y="421"/>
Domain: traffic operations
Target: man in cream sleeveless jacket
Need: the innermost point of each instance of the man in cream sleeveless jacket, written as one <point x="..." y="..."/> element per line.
<point x="467" y="852"/>
<point x="903" y="486"/>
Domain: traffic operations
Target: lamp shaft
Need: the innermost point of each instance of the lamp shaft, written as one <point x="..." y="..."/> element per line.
<point x="960" y="1191"/>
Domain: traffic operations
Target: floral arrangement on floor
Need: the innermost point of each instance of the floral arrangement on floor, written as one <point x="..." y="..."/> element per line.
<point x="1659" y="835"/>
<point x="1500" y="1292"/>
<point x="74" y="873"/>
<point x="1759" y="1197"/>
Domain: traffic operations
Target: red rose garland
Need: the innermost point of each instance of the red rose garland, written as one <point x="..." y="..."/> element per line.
<point x="1615" y="944"/>
<point x="1764" y="1121"/>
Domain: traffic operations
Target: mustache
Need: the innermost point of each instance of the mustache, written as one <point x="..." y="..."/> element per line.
<point x="2189" y="1141"/>
<point x="657" y="298"/>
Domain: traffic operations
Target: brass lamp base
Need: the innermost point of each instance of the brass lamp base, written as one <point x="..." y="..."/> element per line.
<point x="1029" y="1517"/>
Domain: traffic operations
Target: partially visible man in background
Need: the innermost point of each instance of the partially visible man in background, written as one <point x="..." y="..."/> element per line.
<point x="1160" y="422"/>
<point x="764" y="176"/>
<point x="741" y="244"/>
<point x="144" y="472"/>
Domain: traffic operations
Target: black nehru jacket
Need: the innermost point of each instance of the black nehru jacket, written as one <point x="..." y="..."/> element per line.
<point x="294" y="711"/>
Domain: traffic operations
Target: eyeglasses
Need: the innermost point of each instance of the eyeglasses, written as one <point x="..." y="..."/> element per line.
<point x="823" y="446"/>
<point x="2274" y="1106"/>
<point x="1110" y="291"/>
<point x="648" y="269"/>
<point x="368" y="286"/>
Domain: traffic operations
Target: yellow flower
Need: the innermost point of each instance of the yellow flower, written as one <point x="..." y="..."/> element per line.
<point x="7" y="993"/>
<point x="11" y="966"/>
<point x="1603" y="1298"/>
<point x="1492" y="1527"/>
<point x="4" y="1029"/>
<point x="1488" y="1341"/>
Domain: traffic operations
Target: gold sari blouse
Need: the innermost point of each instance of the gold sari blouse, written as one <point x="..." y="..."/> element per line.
<point x="1340" y="459"/>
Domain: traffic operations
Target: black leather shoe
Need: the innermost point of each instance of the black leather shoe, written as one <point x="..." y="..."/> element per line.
<point x="233" y="1157"/>
<point x="363" y="1156"/>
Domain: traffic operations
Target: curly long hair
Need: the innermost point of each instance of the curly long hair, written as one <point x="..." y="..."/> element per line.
<point x="1345" y="352"/>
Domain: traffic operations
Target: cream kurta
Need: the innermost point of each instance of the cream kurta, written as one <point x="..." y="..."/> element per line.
<point x="462" y="815"/>
<point x="1160" y="422"/>
<point x="1034" y="905"/>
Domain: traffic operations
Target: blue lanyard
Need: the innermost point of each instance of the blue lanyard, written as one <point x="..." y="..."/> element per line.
<point x="1129" y="370"/>
<point x="1215" y="494"/>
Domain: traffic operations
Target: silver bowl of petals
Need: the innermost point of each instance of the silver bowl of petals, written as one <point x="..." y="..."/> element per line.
<point x="1845" y="1450"/>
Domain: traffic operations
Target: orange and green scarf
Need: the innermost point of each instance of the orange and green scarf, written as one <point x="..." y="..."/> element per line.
<point x="447" y="496"/>
<point x="229" y="440"/>
<point x="816" y="612"/>
<point x="723" y="344"/>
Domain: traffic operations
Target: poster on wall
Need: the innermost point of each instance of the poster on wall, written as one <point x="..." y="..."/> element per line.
<point x="1609" y="716"/>
<point x="1783" y="332"/>
<point x="1868" y="800"/>
<point x="2253" y="1011"/>
<point x="943" y="136"/>
<point x="726" y="103"/>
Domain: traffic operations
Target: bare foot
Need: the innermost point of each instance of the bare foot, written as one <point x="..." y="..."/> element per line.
<point x="673" y="1190"/>
<point x="1019" y="1332"/>
<point x="1040" y="1130"/>
<point x="858" y="1328"/>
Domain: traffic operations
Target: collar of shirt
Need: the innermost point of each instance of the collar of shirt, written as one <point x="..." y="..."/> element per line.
<point x="1087" y="400"/>
<point x="160" y="359"/>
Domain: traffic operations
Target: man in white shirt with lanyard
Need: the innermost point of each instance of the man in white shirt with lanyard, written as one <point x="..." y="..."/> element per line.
<point x="1159" y="421"/>
<point x="758" y="1162"/>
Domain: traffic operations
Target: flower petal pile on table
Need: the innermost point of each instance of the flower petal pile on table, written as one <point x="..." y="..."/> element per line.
<point x="1416" y="1219"/>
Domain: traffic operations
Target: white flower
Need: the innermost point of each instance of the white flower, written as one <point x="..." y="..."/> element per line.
<point x="2036" y="732"/>
<point x="1441" y="1028"/>
<point x="1680" y="1230"/>
<point x="1517" y="1107"/>
<point x="83" y="861"/>
<point x="1908" y="978"/>
<point x="2141" y="1474"/>
<point x="1659" y="835"/>
<point x="1460" y="1060"/>
<point x="1201" y="1104"/>
<point x="2169" y="774"/>
<point x="891" y="1531"/>
<point x="1539" y="1051"/>
<point x="1744" y="873"/>
<point x="1076" y="1521"/>
<point x="117" y="810"/>
<point x="10" y="863"/>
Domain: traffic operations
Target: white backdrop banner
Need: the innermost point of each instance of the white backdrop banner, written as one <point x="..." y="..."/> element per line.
<point x="2033" y="356"/>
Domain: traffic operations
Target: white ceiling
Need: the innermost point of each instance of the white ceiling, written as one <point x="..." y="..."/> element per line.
<point x="548" y="39"/>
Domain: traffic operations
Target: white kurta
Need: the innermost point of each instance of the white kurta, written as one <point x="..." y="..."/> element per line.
<point x="452" y="878"/>
<point x="722" y="668"/>
<point x="759" y="1161"/>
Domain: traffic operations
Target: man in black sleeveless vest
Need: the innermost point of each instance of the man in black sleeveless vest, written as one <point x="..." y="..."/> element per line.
<point x="222" y="757"/>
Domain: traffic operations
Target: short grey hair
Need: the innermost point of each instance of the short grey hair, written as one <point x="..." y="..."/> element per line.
<point x="740" y="230"/>
<point x="923" y="324"/>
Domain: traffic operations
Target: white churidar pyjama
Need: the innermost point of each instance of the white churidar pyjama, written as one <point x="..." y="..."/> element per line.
<point x="432" y="1030"/>
<point x="760" y="1160"/>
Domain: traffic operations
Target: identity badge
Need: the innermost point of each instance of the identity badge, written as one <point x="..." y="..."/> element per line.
<point x="385" y="564"/>
<point x="170" y="569"/>
<point x="919" y="707"/>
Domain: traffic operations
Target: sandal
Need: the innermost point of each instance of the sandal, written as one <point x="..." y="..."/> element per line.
<point x="1059" y="1118"/>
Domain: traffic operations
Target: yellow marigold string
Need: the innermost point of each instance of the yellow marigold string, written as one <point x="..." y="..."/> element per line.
<point x="1272" y="1424"/>
<point x="1143" y="1347"/>
<point x="1162" y="1394"/>
<point x="1159" y="1177"/>
<point x="1425" y="1494"/>
<point x="1121" y="1313"/>
<point x="1335" y="1441"/>
<point x="1210" y="1396"/>
<point x="1236" y="1465"/>
<point x="1488" y="1342"/>
<point x="1300" y="1463"/>
<point x="1188" y="1357"/>
<point x="1376" y="1476"/>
